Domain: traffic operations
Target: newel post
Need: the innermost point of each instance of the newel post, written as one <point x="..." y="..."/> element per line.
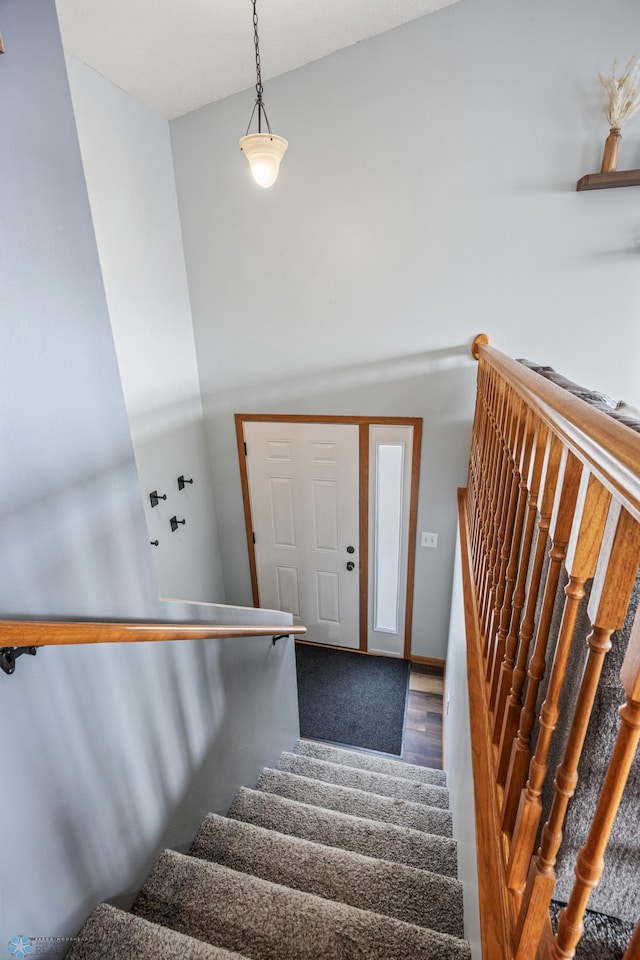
<point x="480" y="340"/>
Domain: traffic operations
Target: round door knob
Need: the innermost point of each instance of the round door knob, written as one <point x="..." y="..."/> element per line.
<point x="351" y="549"/>
<point x="350" y="565"/>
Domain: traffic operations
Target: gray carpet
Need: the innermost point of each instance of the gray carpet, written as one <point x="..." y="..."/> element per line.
<point x="369" y="837"/>
<point x="379" y="783"/>
<point x="392" y="889"/>
<point x="350" y="699"/>
<point x="332" y="872"/>
<point x="271" y="922"/>
<point x="366" y="761"/>
<point x="404" y="813"/>
<point x="111" y="933"/>
<point x="605" y="938"/>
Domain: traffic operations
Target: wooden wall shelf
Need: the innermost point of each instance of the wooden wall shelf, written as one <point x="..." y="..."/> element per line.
<point x="603" y="181"/>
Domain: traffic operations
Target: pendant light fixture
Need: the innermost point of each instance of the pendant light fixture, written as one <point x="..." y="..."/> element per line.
<point x="264" y="151"/>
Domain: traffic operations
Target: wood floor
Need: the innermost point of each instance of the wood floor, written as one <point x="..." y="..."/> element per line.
<point x="422" y="743"/>
<point x="423" y="729"/>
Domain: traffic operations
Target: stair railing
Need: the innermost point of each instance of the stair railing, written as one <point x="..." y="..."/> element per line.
<point x="27" y="636"/>
<point x="553" y="482"/>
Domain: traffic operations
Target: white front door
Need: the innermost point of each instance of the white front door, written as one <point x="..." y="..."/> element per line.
<point x="304" y="490"/>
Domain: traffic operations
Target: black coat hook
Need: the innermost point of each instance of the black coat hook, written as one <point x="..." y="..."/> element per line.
<point x="156" y="497"/>
<point x="154" y="543"/>
<point x="182" y="482"/>
<point x="174" y="523"/>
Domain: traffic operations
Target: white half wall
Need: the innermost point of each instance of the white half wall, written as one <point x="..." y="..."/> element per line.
<point x="126" y="155"/>
<point x="428" y="194"/>
<point x="458" y="762"/>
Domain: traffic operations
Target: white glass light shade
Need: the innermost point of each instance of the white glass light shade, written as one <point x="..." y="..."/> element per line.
<point x="264" y="151"/>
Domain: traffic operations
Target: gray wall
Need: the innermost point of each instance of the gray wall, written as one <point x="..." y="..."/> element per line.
<point x="428" y="194"/>
<point x="126" y="156"/>
<point x="107" y="751"/>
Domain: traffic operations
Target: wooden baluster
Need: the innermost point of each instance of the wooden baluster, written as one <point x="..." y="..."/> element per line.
<point x="590" y="861"/>
<point x="477" y="543"/>
<point x="502" y="480"/>
<point x="511" y="545"/>
<point x="476" y="443"/>
<point x="480" y="459"/>
<point x="560" y="530"/>
<point x="496" y="413"/>
<point x="633" y="950"/>
<point x="519" y="564"/>
<point x="472" y="456"/>
<point x="611" y="591"/>
<point x="481" y="453"/>
<point x="493" y="468"/>
<point x="477" y="456"/>
<point x="507" y="504"/>
<point x="582" y="554"/>
<point x="488" y="465"/>
<point x="551" y="467"/>
<point x="498" y="508"/>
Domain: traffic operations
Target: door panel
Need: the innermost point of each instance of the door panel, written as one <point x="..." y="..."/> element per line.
<point x="328" y="596"/>
<point x="287" y="590"/>
<point x="324" y="498"/>
<point x="283" y="522"/>
<point x="304" y="492"/>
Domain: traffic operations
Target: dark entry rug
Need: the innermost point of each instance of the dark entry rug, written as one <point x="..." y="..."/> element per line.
<point x="352" y="699"/>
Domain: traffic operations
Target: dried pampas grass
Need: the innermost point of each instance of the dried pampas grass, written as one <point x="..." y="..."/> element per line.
<point x="623" y="92"/>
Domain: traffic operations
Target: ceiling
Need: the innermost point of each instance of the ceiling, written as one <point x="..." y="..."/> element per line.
<point x="177" y="55"/>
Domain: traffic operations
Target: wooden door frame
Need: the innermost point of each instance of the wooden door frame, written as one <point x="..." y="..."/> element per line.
<point x="363" y="423"/>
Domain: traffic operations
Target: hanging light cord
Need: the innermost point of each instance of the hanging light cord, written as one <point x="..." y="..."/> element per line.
<point x="259" y="104"/>
<point x="256" y="43"/>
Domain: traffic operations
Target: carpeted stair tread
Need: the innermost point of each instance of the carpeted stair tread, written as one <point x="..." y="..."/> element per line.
<point x="604" y="937"/>
<point x="372" y="838"/>
<point x="112" y="934"/>
<point x="267" y="921"/>
<point x="404" y="813"/>
<point x="392" y="889"/>
<point x="379" y="783"/>
<point x="366" y="761"/>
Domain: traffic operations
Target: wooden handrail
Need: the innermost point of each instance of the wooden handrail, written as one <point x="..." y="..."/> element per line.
<point x="46" y="633"/>
<point x="611" y="449"/>
<point x="553" y="492"/>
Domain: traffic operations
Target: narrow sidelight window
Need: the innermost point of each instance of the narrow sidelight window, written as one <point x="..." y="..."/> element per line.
<point x="389" y="511"/>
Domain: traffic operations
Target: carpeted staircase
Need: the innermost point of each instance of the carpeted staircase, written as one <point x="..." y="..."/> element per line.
<point x="335" y="854"/>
